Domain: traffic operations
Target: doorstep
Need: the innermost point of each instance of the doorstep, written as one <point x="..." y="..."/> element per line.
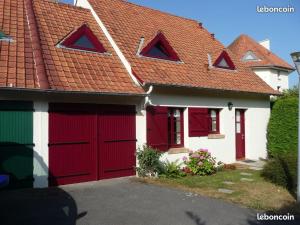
<point x="177" y="150"/>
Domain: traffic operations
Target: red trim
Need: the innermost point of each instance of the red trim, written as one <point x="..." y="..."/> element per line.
<point x="160" y="38"/>
<point x="224" y="55"/>
<point x="69" y="42"/>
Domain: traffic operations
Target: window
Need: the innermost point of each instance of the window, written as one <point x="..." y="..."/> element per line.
<point x="203" y="121"/>
<point x="164" y="127"/>
<point x="214" y="121"/>
<point x="4" y="37"/>
<point x="175" y="127"/>
<point x="249" y="56"/>
<point x="83" y="39"/>
<point x="160" y="48"/>
<point x="224" y="61"/>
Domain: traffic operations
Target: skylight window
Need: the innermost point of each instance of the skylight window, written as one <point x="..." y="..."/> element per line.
<point x="224" y="61"/>
<point x="160" y="48"/>
<point x="83" y="39"/>
<point x="250" y="56"/>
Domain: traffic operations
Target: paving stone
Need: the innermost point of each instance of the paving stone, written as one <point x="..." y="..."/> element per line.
<point x="255" y="168"/>
<point x="226" y="191"/>
<point x="228" y="182"/>
<point x="246" y="174"/>
<point x="246" y="179"/>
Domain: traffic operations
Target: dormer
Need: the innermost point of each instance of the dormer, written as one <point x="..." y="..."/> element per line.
<point x="83" y="39"/>
<point x="224" y="62"/>
<point x="160" y="48"/>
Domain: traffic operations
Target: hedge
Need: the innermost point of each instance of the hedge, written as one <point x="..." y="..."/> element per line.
<point x="283" y="126"/>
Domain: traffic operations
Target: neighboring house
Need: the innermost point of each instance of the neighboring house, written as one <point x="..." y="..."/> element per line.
<point x="268" y="66"/>
<point x="81" y="89"/>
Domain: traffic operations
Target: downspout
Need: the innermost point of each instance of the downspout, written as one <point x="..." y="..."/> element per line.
<point x="41" y="75"/>
<point x="147" y="98"/>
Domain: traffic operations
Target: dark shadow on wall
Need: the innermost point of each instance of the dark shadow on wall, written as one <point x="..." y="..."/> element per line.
<point x="19" y="205"/>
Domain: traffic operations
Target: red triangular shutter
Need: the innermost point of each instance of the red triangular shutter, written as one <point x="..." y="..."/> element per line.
<point x="83" y="39"/>
<point x="224" y="61"/>
<point x="160" y="48"/>
<point x="157" y="127"/>
<point x="198" y="122"/>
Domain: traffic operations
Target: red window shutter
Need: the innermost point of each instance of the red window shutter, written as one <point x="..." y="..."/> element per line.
<point x="198" y="122"/>
<point x="157" y="127"/>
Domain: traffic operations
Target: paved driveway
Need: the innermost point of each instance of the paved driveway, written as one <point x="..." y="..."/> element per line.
<point x="117" y="202"/>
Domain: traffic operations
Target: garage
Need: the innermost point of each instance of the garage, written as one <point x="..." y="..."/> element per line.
<point x="90" y="142"/>
<point x="16" y="142"/>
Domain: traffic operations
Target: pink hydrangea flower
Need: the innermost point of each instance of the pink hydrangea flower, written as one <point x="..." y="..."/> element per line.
<point x="204" y="150"/>
<point x="184" y="158"/>
<point x="200" y="163"/>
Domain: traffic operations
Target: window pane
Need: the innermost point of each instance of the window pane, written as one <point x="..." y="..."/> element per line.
<point x="238" y="127"/>
<point x="177" y="138"/>
<point x="214" y="126"/>
<point x="84" y="42"/>
<point x="213" y="113"/>
<point x="158" y="51"/>
<point x="238" y="116"/>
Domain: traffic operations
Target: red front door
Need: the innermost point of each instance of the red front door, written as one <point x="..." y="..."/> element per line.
<point x="240" y="133"/>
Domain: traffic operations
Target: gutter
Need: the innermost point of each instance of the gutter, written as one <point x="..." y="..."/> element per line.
<point x="211" y="89"/>
<point x="274" y="67"/>
<point x="41" y="74"/>
<point x="50" y="91"/>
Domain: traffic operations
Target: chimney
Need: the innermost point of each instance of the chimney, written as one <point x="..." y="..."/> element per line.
<point x="212" y="35"/>
<point x="266" y="43"/>
<point x="200" y="25"/>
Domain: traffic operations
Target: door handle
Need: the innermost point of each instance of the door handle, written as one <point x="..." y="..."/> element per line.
<point x="243" y="136"/>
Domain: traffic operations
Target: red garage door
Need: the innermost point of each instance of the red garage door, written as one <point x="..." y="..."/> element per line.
<point x="89" y="142"/>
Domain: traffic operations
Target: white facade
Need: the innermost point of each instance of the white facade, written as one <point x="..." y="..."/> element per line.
<point x="223" y="148"/>
<point x="275" y="78"/>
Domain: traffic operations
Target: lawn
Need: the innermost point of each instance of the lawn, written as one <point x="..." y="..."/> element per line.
<point x="258" y="194"/>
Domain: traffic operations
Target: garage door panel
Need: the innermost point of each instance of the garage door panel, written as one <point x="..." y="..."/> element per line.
<point x="71" y="160"/>
<point x="116" y="151"/>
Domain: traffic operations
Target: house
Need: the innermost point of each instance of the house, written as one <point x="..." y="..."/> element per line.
<point x="268" y="66"/>
<point x="82" y="87"/>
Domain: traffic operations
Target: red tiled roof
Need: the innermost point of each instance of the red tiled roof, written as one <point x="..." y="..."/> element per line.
<point x="244" y="43"/>
<point x="73" y="70"/>
<point x="17" y="68"/>
<point x="128" y="22"/>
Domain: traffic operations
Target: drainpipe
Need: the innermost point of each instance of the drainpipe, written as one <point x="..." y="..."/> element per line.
<point x="147" y="99"/>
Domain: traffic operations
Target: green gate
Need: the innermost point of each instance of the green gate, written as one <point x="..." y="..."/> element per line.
<point x="16" y="142"/>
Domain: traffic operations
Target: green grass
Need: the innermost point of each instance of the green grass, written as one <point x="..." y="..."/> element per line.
<point x="258" y="194"/>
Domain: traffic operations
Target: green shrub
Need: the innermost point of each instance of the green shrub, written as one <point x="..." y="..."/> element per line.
<point x="200" y="163"/>
<point x="282" y="127"/>
<point x="282" y="170"/>
<point x="149" y="164"/>
<point x="172" y="170"/>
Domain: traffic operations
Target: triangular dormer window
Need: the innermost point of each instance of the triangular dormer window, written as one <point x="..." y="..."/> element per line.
<point x="83" y="39"/>
<point x="250" y="56"/>
<point x="224" y="61"/>
<point x="4" y="37"/>
<point x="160" y="48"/>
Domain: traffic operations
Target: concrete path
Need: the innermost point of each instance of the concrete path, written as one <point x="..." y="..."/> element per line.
<point x="118" y="202"/>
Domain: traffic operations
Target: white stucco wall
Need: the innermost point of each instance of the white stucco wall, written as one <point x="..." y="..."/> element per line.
<point x="256" y="120"/>
<point x="270" y="76"/>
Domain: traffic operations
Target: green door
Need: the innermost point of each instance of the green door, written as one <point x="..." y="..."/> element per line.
<point x="16" y="142"/>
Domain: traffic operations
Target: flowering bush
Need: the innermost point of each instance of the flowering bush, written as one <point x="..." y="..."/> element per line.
<point x="200" y="163"/>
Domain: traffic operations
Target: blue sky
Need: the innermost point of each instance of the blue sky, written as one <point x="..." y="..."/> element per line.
<point x="228" y="19"/>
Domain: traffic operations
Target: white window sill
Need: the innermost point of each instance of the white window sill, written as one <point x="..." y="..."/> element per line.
<point x="177" y="150"/>
<point x="216" y="136"/>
